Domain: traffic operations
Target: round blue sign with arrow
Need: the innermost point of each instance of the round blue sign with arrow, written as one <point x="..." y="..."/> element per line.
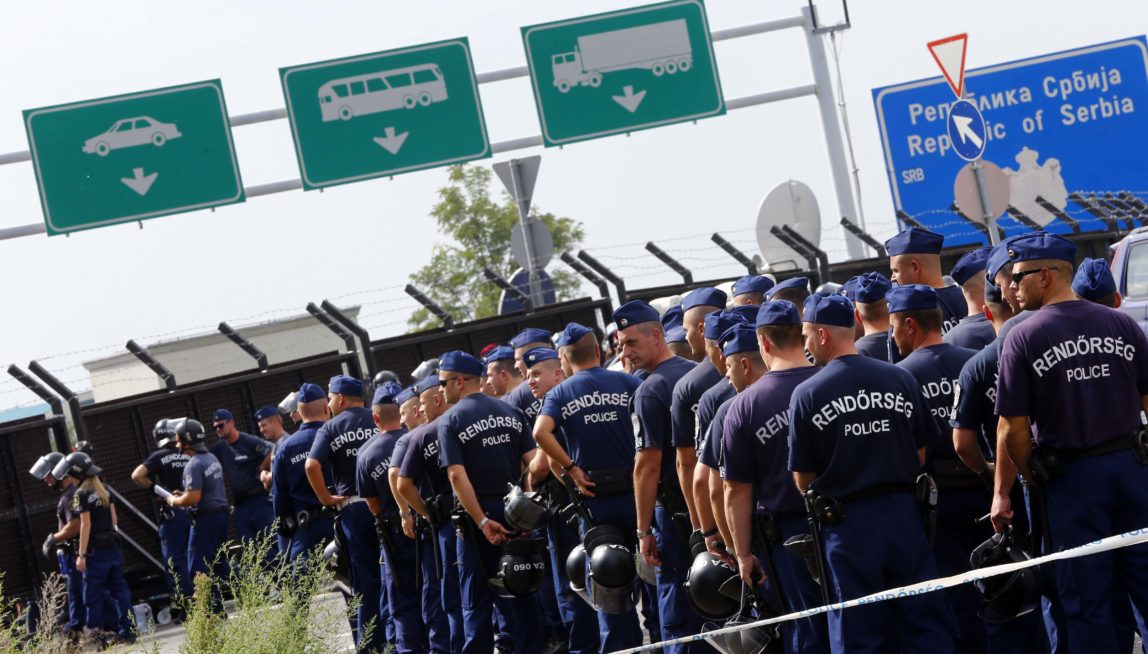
<point x="967" y="129"/>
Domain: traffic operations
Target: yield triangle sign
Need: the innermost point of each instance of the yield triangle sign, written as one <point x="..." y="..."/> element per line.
<point x="949" y="54"/>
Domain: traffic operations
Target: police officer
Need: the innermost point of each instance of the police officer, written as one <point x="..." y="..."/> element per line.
<point x="974" y="330"/>
<point x="61" y="543"/>
<point x="98" y="555"/>
<point x="707" y="488"/>
<point x="750" y="290"/>
<point x="544" y="374"/>
<point x="676" y="336"/>
<point x="337" y="444"/>
<point x="866" y="459"/>
<point x="243" y="457"/>
<point x="205" y="496"/>
<point x="871" y="311"/>
<point x="521" y="397"/>
<point x="501" y="373"/>
<point x="1082" y="402"/>
<point x="423" y="484"/>
<point x="794" y="289"/>
<point x="302" y="519"/>
<point x="410" y="412"/>
<point x="270" y="423"/>
<point x="164" y="466"/>
<point x="765" y="363"/>
<point x="688" y="390"/>
<point x="961" y="496"/>
<point x="657" y="492"/>
<point x="915" y="258"/>
<point x="398" y="551"/>
<point x="485" y="445"/>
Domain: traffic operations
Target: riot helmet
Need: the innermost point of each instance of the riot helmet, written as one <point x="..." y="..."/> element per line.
<point x="613" y="572"/>
<point x="1008" y="595"/>
<point x="521" y="568"/>
<point x="190" y="433"/>
<point x="524" y="510"/>
<point x="576" y="572"/>
<point x="44" y="465"/>
<point x="164" y="433"/>
<point x="704" y="587"/>
<point x="339" y="564"/>
<point x="77" y="465"/>
<point x="385" y="376"/>
<point x="84" y="446"/>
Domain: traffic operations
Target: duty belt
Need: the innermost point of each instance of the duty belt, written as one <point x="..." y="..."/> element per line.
<point x="1048" y="462"/>
<point x="954" y="475"/>
<point x="670" y="495"/>
<point x="353" y="499"/>
<point x="1123" y="442"/>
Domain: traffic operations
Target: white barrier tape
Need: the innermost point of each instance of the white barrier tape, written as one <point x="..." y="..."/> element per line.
<point x="1103" y="545"/>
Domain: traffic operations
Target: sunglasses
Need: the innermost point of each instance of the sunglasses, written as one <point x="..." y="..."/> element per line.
<point x="445" y="380"/>
<point x="1019" y="276"/>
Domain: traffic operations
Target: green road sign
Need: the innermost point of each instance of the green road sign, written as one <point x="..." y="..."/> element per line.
<point x="623" y="71"/>
<point x="385" y="113"/>
<point x="133" y="157"/>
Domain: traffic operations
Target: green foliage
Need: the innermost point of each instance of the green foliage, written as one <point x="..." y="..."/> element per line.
<point x="49" y="637"/>
<point x="275" y="607"/>
<point x="480" y="230"/>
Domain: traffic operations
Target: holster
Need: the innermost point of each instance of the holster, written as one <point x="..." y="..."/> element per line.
<point x="1046" y="464"/>
<point x="925" y="493"/>
<point x="613" y="481"/>
<point x="670" y="497"/>
<point x="438" y="510"/>
<point x="765" y="534"/>
<point x="166" y="512"/>
<point x="825" y="509"/>
<point x="383" y="526"/>
<point x="820" y="568"/>
<point x="1041" y="535"/>
<point x="1140" y="445"/>
<point x="682" y="526"/>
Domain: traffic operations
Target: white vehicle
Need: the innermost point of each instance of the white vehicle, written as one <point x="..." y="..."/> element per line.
<point x="401" y="88"/>
<point x="130" y="132"/>
<point x="661" y="48"/>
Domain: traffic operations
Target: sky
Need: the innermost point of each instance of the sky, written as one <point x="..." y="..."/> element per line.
<point x="72" y="299"/>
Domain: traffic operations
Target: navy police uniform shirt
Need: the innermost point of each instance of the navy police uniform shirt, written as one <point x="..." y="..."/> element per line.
<point x="165" y="467"/>
<point x="874" y="345"/>
<point x="974" y="402"/>
<point x="684" y="406"/>
<point x="592" y="409"/>
<point x="1009" y="324"/>
<point x="937" y="369"/>
<point x="338" y="441"/>
<point x="1078" y="370"/>
<point x="241" y="461"/>
<point x="488" y="438"/>
<point x="204" y="473"/>
<point x="951" y="302"/>
<point x="710" y="452"/>
<point x="651" y="417"/>
<point x="707" y="408"/>
<point x="374" y="461"/>
<point x="857" y="425"/>
<point x="400" y="451"/>
<point x="522" y="399"/>
<point x="293" y="493"/>
<point x="755" y="440"/>
<point x="86" y="500"/>
<point x="64" y="513"/>
<point x="973" y="332"/>
<point x="421" y="461"/>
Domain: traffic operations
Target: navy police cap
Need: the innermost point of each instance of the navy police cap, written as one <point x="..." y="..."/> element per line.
<point x="849" y="288"/>
<point x="387" y="393"/>
<point x="407" y="395"/>
<point x="460" y="362"/>
<point x="871" y="287"/>
<point x="703" y="297"/>
<point x="752" y="284"/>
<point x="777" y="312"/>
<point x="528" y="336"/>
<point x="266" y="412"/>
<point x="673" y="317"/>
<point x="425" y="384"/>
<point x="676" y="335"/>
<point x="1093" y="280"/>
<point x="572" y="333"/>
<point x="309" y="393"/>
<point x="221" y="414"/>
<point x="635" y="312"/>
<point x="993" y="293"/>
<point x="970" y="264"/>
<point x="828" y="309"/>
<point x="792" y="282"/>
<point x="737" y="339"/>
<point x="538" y="355"/>
<point x="345" y="385"/>
<point x="718" y="322"/>
<point x="1041" y="245"/>
<point x="500" y="353"/>
<point x="998" y="257"/>
<point x="911" y="297"/>
<point x="915" y="241"/>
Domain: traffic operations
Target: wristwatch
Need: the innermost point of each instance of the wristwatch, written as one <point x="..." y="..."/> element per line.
<point x="483" y="523"/>
<point x="648" y="532"/>
<point x="569" y="467"/>
<point x="711" y="532"/>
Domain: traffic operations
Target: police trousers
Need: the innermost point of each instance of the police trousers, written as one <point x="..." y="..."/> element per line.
<point x="580" y="619"/>
<point x="104" y="577"/>
<point x="678" y="618"/>
<point x="75" y="584"/>
<point x="478" y="558"/>
<point x="796" y="586"/>
<point x="205" y="540"/>
<point x="399" y="578"/>
<point x="358" y="527"/>
<point x="318" y="532"/>
<point x="433" y="613"/>
<point x="1099" y="496"/>
<point x="173" y="537"/>
<point x="881" y="544"/>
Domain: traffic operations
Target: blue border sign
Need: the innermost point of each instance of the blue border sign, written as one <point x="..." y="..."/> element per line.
<point x="1071" y="121"/>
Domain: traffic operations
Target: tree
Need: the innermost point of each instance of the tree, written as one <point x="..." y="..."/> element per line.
<point x="480" y="229"/>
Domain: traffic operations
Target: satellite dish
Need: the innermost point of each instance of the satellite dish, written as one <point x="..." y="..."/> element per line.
<point x="790" y="203"/>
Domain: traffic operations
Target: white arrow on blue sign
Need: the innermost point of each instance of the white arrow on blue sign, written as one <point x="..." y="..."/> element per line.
<point x="967" y="130"/>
